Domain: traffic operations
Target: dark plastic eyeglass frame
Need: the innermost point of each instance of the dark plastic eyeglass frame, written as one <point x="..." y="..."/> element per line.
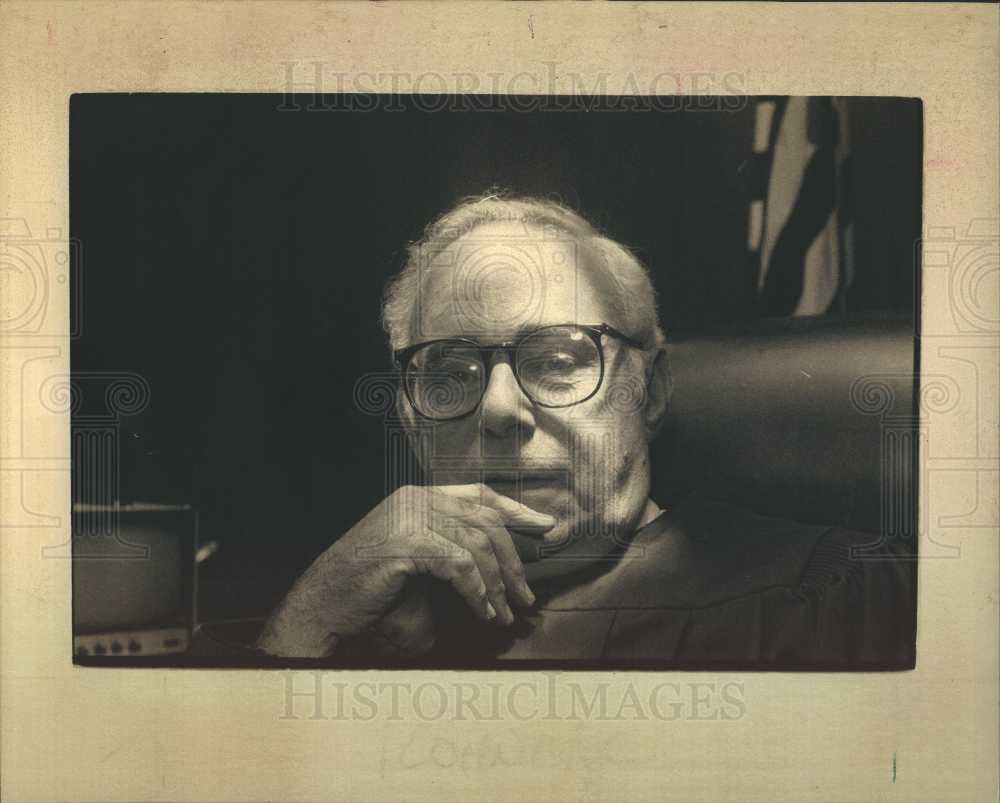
<point x="402" y="359"/>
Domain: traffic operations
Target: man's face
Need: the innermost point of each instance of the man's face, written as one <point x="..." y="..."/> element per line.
<point x="587" y="464"/>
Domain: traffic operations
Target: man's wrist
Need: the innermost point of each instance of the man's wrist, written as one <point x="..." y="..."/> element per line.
<point x="284" y="637"/>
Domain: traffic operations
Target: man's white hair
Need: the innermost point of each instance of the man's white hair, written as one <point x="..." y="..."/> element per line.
<point x="617" y="274"/>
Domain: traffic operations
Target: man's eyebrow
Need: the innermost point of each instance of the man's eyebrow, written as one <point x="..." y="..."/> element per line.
<point x="506" y="337"/>
<point x="528" y="329"/>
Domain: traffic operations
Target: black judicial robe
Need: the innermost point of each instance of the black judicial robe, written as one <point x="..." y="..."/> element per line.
<point x="705" y="585"/>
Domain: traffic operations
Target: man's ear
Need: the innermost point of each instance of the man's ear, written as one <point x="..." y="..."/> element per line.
<point x="404" y="414"/>
<point x="658" y="391"/>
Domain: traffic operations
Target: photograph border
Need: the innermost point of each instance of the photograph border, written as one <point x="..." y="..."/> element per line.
<point x="80" y="733"/>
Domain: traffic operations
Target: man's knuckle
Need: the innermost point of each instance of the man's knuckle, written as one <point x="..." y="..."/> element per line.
<point x="463" y="563"/>
<point x="492" y="517"/>
<point x="466" y="506"/>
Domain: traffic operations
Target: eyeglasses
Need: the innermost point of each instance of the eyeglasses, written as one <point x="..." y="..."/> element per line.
<point x="555" y="366"/>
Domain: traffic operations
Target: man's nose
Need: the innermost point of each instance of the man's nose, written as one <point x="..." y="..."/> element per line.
<point x="505" y="409"/>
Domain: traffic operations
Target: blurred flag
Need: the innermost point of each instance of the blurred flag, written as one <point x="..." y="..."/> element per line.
<point x="800" y="232"/>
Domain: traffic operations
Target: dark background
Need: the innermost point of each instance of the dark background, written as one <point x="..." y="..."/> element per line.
<point x="234" y="254"/>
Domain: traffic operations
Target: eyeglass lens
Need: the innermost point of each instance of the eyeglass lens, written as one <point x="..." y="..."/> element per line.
<point x="556" y="366"/>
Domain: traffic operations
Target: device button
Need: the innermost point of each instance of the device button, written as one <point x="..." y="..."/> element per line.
<point x="82" y="651"/>
<point x="116" y="647"/>
<point x="134" y="646"/>
<point x="100" y="649"/>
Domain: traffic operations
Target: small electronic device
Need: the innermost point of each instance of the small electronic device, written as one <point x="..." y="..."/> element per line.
<point x="134" y="579"/>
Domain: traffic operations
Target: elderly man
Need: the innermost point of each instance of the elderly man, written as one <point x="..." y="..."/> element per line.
<point x="532" y="378"/>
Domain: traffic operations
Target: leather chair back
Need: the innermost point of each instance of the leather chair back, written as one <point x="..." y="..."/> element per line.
<point x="803" y="418"/>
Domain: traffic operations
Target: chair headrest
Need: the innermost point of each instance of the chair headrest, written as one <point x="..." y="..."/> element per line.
<point x="790" y="417"/>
